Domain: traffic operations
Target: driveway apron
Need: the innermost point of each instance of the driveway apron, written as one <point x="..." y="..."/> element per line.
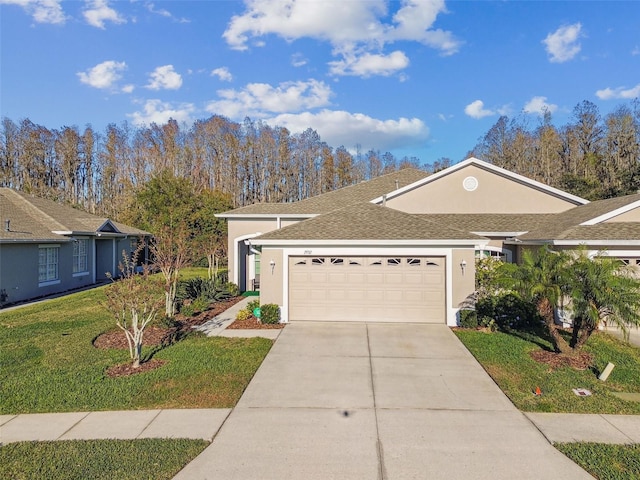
<point x="367" y="401"/>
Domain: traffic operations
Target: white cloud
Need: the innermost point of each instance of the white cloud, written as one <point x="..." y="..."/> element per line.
<point x="563" y="44"/>
<point x="337" y="127"/>
<point x="261" y="99"/>
<point x="618" y="93"/>
<point x="369" y="64"/>
<point x="98" y="12"/>
<point x="476" y="110"/>
<point x="539" y="105"/>
<point x="352" y="28"/>
<point x="158" y="112"/>
<point x="298" y="60"/>
<point x="165" y="78"/>
<point x="104" y="75"/>
<point x="42" y="11"/>
<point x="222" y="73"/>
<point x="163" y="12"/>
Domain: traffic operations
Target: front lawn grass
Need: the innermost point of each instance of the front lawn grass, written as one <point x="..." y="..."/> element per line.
<point x="155" y="459"/>
<point x="505" y="356"/>
<point x="604" y="461"/>
<point x="49" y="364"/>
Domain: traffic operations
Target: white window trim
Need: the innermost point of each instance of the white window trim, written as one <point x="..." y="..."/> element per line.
<point x="55" y="281"/>
<point x="81" y="273"/>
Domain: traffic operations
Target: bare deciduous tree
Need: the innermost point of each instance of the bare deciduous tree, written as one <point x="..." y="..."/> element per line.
<point x="134" y="300"/>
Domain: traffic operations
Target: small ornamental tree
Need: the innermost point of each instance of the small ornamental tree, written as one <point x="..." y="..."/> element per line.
<point x="134" y="300"/>
<point x="603" y="289"/>
<point x="171" y="252"/>
<point x="597" y="289"/>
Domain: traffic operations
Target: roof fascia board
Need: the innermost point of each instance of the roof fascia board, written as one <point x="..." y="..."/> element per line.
<point x="486" y="166"/>
<point x="612" y="214"/>
<point x="248" y="216"/>
<point x="605" y="243"/>
<point x="36" y="240"/>
<point x="377" y="243"/>
<point x="500" y="234"/>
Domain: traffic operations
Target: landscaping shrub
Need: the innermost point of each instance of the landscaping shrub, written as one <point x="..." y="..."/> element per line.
<point x="243" y="315"/>
<point x="200" y="304"/>
<point x="187" y="310"/>
<point x="270" y="313"/>
<point x="468" y="319"/>
<point x="508" y="310"/>
<point x="190" y="289"/>
<point x="212" y="290"/>
<point x="252" y="305"/>
<point x="232" y="288"/>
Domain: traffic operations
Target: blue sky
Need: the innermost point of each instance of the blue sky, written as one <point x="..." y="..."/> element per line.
<point x="416" y="78"/>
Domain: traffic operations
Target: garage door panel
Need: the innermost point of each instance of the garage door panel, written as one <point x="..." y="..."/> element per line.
<point x="337" y="277"/>
<point x="394" y="279"/>
<point x="337" y="295"/>
<point x="373" y="289"/>
<point x="393" y="296"/>
<point x="356" y="295"/>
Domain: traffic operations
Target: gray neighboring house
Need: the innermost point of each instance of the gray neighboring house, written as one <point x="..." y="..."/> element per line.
<point x="402" y="247"/>
<point x="48" y="248"/>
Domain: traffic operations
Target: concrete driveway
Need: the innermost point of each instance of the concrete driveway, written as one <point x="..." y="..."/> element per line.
<point x="367" y="401"/>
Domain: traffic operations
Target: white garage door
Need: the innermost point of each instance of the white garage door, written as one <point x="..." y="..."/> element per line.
<point x="372" y="289"/>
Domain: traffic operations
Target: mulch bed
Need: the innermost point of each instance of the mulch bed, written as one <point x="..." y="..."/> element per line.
<point x="126" y="369"/>
<point x="252" y="323"/>
<point x="155" y="335"/>
<point x="579" y="361"/>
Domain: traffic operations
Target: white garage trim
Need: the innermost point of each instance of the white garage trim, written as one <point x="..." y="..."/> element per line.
<point x="447" y="253"/>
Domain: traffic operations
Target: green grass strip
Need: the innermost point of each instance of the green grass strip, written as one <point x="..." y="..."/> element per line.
<point x="155" y="459"/>
<point x="49" y="364"/>
<point x="506" y="357"/>
<point x="604" y="461"/>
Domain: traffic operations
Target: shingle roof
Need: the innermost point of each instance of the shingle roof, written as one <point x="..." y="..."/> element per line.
<point x="602" y="231"/>
<point x="35" y="219"/>
<point x="490" y="222"/>
<point x="566" y="225"/>
<point x="330" y="201"/>
<point x="366" y="221"/>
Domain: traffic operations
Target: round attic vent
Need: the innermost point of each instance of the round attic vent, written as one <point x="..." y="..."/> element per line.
<point x="470" y="184"/>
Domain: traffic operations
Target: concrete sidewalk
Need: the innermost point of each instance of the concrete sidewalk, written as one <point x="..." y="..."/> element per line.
<point x="125" y="425"/>
<point x="376" y="401"/>
<point x="576" y="427"/>
<point x="217" y="326"/>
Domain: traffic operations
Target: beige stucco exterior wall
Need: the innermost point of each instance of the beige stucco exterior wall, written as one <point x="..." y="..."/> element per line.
<point x="630" y="216"/>
<point x="464" y="284"/>
<point x="494" y="194"/>
<point x="240" y="228"/>
<point x="271" y="280"/>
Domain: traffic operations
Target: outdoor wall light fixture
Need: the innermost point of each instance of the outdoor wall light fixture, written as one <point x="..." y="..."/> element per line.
<point x="272" y="263"/>
<point x="463" y="266"/>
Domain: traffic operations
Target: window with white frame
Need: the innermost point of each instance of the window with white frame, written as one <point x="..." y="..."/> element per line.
<point x="48" y="263"/>
<point x="80" y="254"/>
<point x="494" y="253"/>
